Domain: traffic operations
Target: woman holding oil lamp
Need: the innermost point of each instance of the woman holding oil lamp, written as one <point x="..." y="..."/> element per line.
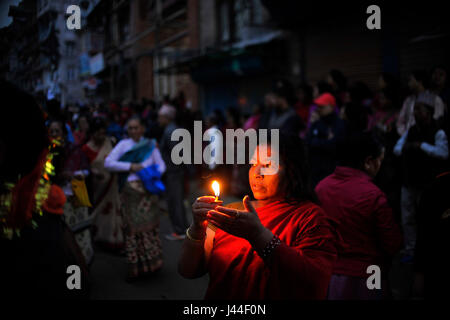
<point x="280" y="246"/>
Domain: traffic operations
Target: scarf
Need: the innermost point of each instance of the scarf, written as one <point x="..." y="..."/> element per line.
<point x="139" y="153"/>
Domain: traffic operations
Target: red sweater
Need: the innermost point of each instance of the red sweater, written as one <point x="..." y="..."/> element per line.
<point x="364" y="220"/>
<point x="300" y="267"/>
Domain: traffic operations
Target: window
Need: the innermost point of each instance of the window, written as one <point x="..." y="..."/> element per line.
<point x="124" y="23"/>
<point x="242" y="18"/>
<point x="234" y="16"/>
<point x="224" y="21"/>
<point x="145" y="8"/>
<point x="258" y="16"/>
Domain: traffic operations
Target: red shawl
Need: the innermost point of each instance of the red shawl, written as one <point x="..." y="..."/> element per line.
<point x="300" y="268"/>
<point x="90" y="153"/>
<point x="23" y="195"/>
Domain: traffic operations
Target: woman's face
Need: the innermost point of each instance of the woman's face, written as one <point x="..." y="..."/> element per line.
<point x="83" y="124"/>
<point x="270" y="100"/>
<point x="264" y="187"/>
<point x="439" y="77"/>
<point x="372" y="166"/>
<point x="55" y="130"/>
<point x="99" y="136"/>
<point x="135" y="130"/>
<point x="325" y="110"/>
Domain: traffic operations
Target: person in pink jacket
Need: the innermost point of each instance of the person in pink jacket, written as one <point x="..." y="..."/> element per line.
<point x="363" y="217"/>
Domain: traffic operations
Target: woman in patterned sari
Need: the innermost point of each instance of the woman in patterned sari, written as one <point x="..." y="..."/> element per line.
<point x="107" y="221"/>
<point x="140" y="210"/>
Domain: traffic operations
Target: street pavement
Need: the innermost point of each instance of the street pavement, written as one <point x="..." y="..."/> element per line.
<point x="108" y="271"/>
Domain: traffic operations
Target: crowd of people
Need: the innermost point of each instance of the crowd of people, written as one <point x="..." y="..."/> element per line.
<point x="357" y="185"/>
<point x="375" y="158"/>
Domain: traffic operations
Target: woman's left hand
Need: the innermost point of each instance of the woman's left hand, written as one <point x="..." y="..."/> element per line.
<point x="240" y="223"/>
<point x="78" y="176"/>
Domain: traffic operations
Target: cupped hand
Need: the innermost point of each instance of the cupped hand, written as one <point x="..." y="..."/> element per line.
<point x="200" y="208"/>
<point x="240" y="223"/>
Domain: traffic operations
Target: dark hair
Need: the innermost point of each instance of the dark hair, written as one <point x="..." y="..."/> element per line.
<point x="259" y="108"/>
<point x="295" y="180"/>
<point x="216" y="117"/>
<point x="137" y="118"/>
<point x="339" y="78"/>
<point x="235" y="115"/>
<point x="357" y="116"/>
<point x="389" y="79"/>
<point x="356" y="147"/>
<point x="324" y="87"/>
<point x="21" y="150"/>
<point x="84" y="115"/>
<point x="428" y="107"/>
<point x="359" y="92"/>
<point x="151" y="103"/>
<point x="308" y="92"/>
<point x="97" y="124"/>
<point x="436" y="67"/>
<point x="439" y="66"/>
<point x="54" y="108"/>
<point x="284" y="89"/>
<point x="61" y="123"/>
<point x="392" y="94"/>
<point x="422" y="77"/>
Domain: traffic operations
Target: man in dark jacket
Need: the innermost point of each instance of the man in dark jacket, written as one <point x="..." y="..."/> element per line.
<point x="174" y="175"/>
<point x="281" y="114"/>
<point x="323" y="136"/>
<point x="424" y="151"/>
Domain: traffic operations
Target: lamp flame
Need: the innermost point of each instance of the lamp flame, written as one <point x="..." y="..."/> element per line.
<point x="216" y="188"/>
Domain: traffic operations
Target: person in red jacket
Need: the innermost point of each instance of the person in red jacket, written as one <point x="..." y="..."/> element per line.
<point x="280" y="246"/>
<point x="365" y="222"/>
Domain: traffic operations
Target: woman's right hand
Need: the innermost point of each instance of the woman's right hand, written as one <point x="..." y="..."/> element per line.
<point x="135" y="167"/>
<point x="200" y="208"/>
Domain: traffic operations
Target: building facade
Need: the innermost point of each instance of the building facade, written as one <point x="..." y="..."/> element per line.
<point x="138" y="38"/>
<point x="245" y="45"/>
<point x="43" y="53"/>
<point x="219" y="53"/>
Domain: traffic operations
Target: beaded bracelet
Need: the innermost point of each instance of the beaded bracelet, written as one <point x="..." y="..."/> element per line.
<point x="275" y="242"/>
